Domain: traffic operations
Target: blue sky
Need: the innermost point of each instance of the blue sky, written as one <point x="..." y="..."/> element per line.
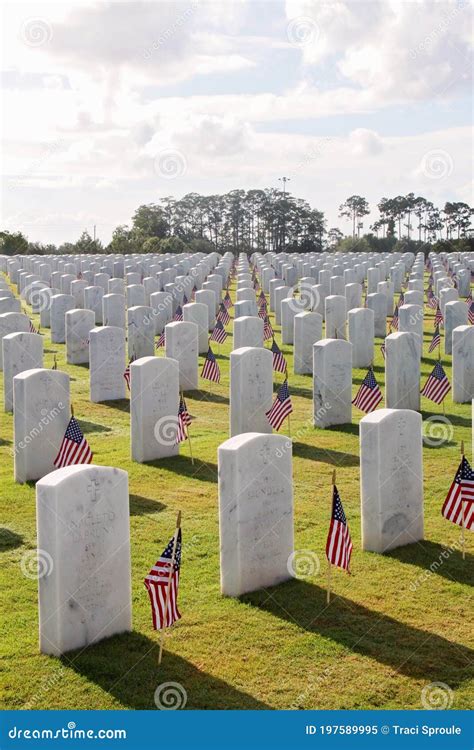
<point x="111" y="104"/>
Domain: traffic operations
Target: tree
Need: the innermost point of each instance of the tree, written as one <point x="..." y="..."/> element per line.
<point x="457" y="217"/>
<point x="354" y="208"/>
<point x="151" y="221"/>
<point x="173" y="245"/>
<point x="85" y="244"/>
<point x="13" y="243"/>
<point x="334" y="236"/>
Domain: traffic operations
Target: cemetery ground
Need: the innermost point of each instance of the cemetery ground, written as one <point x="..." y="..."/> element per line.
<point x="392" y="629"/>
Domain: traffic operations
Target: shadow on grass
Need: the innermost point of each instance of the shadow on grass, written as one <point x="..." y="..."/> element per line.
<point x="126" y="667"/>
<point x="296" y="390"/>
<point x="406" y="649"/>
<point x="4" y="441"/>
<point x="122" y="404"/>
<point x="204" y="471"/>
<point x="454" y="419"/>
<point x="93" y="426"/>
<point x="324" y="455"/>
<point x="140" y="506"/>
<point x="214" y="398"/>
<point x="9" y="539"/>
<point x="444" y="561"/>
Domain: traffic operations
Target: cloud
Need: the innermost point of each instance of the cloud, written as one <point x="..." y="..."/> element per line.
<point x="366" y="142"/>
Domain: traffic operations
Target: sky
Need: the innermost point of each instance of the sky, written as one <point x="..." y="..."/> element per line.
<point x="109" y="105"/>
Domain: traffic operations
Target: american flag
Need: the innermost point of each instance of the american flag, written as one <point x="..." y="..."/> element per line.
<point x="157" y="582"/>
<point x="211" y="371"/>
<point x="223" y="315"/>
<point x="432" y="301"/>
<point x="369" y="395"/>
<point x="401" y="300"/>
<point x="461" y="492"/>
<point x="262" y="299"/>
<point x="184" y="420"/>
<point x="281" y="407"/>
<point x="435" y="341"/>
<point x="437" y="385"/>
<point x="227" y="300"/>
<point x="267" y="329"/>
<point x="219" y="333"/>
<point x="394" y="321"/>
<point x="74" y="447"/>
<point x="469" y="299"/>
<point x="262" y="312"/>
<point x="382" y="350"/>
<point x="178" y="316"/>
<point x="127" y="372"/>
<point x="470" y="314"/>
<point x="162" y="340"/>
<point x="279" y="362"/>
<point x="32" y="328"/>
<point x="339" y="544"/>
<point x="438" y="318"/>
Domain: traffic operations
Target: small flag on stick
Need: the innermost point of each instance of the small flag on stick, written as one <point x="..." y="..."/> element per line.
<point x="74" y="447"/>
<point x="339" y="543"/>
<point x="210" y="370"/>
<point x="435" y="341"/>
<point x="459" y="504"/>
<point x="369" y="395"/>
<point x="281" y="407"/>
<point x="219" y="333"/>
<point x="437" y="385"/>
<point x="127" y="373"/>
<point x="279" y="361"/>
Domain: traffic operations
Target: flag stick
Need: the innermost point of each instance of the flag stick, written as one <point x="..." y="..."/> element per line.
<point x="72" y="410"/>
<point x="189" y="436"/>
<point x="328" y="596"/>
<point x="463" y="520"/>
<point x="168" y="587"/>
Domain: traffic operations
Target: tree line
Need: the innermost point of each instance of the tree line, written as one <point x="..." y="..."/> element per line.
<point x="266" y="220"/>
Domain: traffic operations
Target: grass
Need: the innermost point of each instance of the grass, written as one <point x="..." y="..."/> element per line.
<point x="389" y="631"/>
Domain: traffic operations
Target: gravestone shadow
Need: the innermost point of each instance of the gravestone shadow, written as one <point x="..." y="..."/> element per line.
<point x="126" y="666"/>
<point x="141" y="506"/>
<point x="436" y="559"/>
<point x="92" y="426"/>
<point x="406" y="649"/>
<point x="324" y="455"/>
<point x="9" y="539"/>
<point x="204" y="471"/>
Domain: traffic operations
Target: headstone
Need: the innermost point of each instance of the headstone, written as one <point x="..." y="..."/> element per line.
<point x="12" y="322"/>
<point x="391" y="479"/>
<point x="208" y="297"/>
<point x="107" y="364"/>
<point x="93" y="301"/>
<point x="361" y="336"/>
<point x="78" y="325"/>
<point x="463" y="364"/>
<point x="182" y="345"/>
<point x="246" y="307"/>
<point x="41" y="415"/>
<point x="332" y="382"/>
<point x="114" y="310"/>
<point x="21" y="351"/>
<point x="411" y="321"/>
<point x="162" y="306"/>
<point x="248" y="331"/>
<point x="84" y="535"/>
<point x="251" y="390"/>
<point x="9" y="304"/>
<point x="335" y="314"/>
<point x="198" y="313"/>
<point x="141" y="332"/>
<point x="378" y="303"/>
<point x="455" y="315"/>
<point x="281" y="293"/>
<point x="60" y="305"/>
<point x="136" y="296"/>
<point x="308" y="329"/>
<point x="154" y="403"/>
<point x="402" y="371"/>
<point x="353" y="294"/>
<point x="255" y="512"/>
<point x="289" y="308"/>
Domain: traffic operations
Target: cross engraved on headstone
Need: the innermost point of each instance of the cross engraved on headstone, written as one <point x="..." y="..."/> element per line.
<point x="93" y="489"/>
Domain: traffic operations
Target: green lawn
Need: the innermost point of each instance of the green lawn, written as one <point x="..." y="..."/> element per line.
<point x="384" y="637"/>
